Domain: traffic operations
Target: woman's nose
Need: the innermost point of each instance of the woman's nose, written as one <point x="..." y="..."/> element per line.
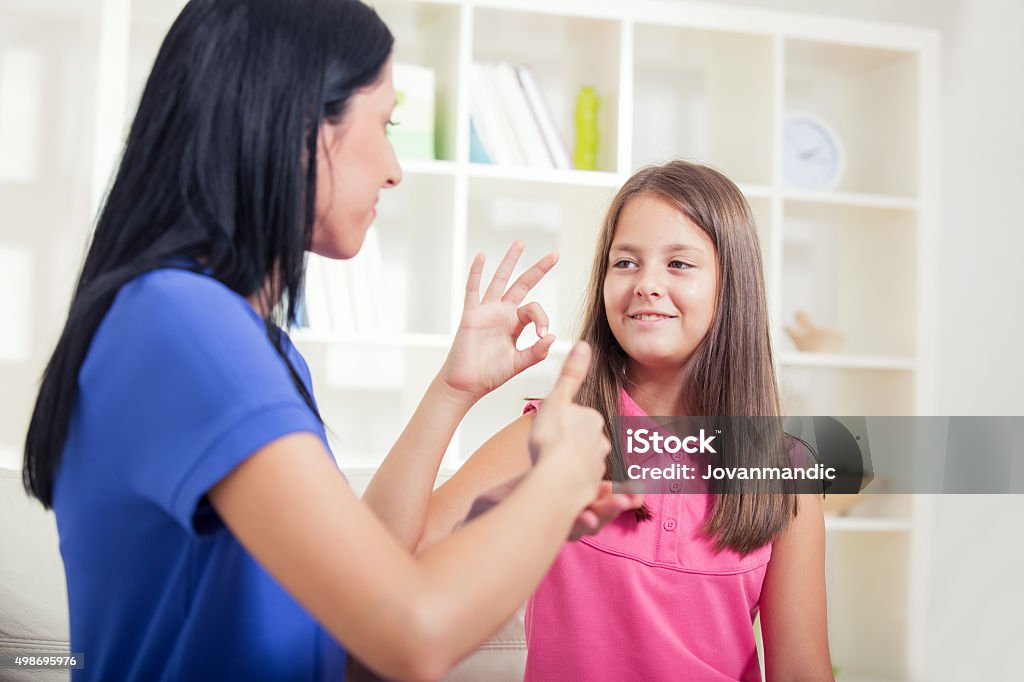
<point x="394" y="169"/>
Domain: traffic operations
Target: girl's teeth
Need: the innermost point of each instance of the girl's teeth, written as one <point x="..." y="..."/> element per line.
<point x="649" y="318"/>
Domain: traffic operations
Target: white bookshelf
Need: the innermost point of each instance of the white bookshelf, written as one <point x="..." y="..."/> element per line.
<point x="676" y="79"/>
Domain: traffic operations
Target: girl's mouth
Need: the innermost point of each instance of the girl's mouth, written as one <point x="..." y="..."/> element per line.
<point x="651" y="318"/>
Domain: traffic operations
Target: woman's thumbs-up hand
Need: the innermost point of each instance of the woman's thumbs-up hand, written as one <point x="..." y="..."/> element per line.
<point x="571" y="436"/>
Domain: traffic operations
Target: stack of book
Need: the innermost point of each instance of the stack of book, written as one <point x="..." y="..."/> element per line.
<point x="510" y="123"/>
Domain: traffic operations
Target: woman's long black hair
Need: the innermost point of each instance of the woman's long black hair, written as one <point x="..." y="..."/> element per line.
<point x="219" y="166"/>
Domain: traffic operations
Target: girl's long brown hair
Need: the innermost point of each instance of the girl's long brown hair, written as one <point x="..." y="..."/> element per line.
<point x="730" y="373"/>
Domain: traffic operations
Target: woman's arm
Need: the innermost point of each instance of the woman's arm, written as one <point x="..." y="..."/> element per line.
<point x="794" y="628"/>
<point x="408" y="617"/>
<point x="483" y="357"/>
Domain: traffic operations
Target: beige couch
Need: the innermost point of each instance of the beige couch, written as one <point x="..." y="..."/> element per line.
<point x="33" y="596"/>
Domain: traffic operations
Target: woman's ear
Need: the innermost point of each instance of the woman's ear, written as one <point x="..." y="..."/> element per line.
<point x="329" y="132"/>
<point x="327" y="139"/>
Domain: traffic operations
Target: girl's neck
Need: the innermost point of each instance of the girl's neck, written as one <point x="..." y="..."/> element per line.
<point x="658" y="392"/>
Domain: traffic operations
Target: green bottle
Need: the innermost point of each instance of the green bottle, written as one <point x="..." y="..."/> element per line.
<point x="584" y="157"/>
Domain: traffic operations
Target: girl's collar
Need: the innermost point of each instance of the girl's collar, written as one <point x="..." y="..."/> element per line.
<point x="628" y="406"/>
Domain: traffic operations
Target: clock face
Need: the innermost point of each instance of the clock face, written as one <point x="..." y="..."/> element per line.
<point x="812" y="155"/>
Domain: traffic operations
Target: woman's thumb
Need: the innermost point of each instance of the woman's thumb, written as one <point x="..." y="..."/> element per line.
<point x="574" y="371"/>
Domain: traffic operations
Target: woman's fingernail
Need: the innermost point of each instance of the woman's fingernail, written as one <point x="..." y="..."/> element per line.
<point x="543" y="332"/>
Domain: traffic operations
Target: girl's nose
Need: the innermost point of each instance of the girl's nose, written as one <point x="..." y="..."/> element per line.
<point x="647" y="287"/>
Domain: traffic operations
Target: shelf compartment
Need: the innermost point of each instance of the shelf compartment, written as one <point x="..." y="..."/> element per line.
<point x="565" y="53"/>
<point x="545" y="217"/>
<point x="704" y="96"/>
<point x="427" y="34"/>
<point x="837" y="392"/>
<point x="876" y="512"/>
<point x="869" y="97"/>
<point x="389" y="289"/>
<point x="867" y="576"/>
<point x="853" y="269"/>
<point x="414" y="225"/>
<point x="367" y="394"/>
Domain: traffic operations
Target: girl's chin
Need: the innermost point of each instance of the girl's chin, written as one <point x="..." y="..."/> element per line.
<point x="655" y="359"/>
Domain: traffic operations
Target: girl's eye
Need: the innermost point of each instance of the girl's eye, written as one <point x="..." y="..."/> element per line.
<point x="681" y="265"/>
<point x="623" y="264"/>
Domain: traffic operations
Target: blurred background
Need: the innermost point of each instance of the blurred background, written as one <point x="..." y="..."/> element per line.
<point x="878" y="143"/>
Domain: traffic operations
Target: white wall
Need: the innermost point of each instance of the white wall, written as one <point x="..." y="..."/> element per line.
<point x="982" y="318"/>
<point x="976" y="600"/>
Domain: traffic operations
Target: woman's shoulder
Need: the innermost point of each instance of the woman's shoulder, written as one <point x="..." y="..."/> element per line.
<point x="179" y="304"/>
<point x="180" y="290"/>
<point x="175" y="327"/>
<point x="170" y="313"/>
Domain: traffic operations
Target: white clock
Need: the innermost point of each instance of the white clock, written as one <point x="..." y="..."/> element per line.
<point x="812" y="156"/>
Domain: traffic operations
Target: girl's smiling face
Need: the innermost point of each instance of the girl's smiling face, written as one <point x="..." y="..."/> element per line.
<point x="661" y="285"/>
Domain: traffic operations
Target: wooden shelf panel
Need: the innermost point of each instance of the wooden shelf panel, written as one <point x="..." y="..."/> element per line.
<point x="844" y="361"/>
<point x="852" y="524"/>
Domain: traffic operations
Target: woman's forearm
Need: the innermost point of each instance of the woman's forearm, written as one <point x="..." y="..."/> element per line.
<point x="399" y="493"/>
<point x="407" y="617"/>
<point x="479" y="575"/>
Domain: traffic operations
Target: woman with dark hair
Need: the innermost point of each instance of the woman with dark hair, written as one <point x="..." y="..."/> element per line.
<point x="205" y="529"/>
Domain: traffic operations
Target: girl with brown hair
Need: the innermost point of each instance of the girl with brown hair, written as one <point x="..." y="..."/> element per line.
<point x="677" y="317"/>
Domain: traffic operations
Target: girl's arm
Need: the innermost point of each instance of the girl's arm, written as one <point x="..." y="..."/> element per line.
<point x="501" y="459"/>
<point x="493" y="472"/>
<point x="483" y="357"/>
<point x="794" y="628"/>
<point x="406" y="617"/>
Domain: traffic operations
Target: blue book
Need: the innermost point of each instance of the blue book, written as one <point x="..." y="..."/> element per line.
<point x="477" y="151"/>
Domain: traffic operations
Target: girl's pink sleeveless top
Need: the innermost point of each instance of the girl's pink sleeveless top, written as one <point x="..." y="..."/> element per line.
<point x="647" y="601"/>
